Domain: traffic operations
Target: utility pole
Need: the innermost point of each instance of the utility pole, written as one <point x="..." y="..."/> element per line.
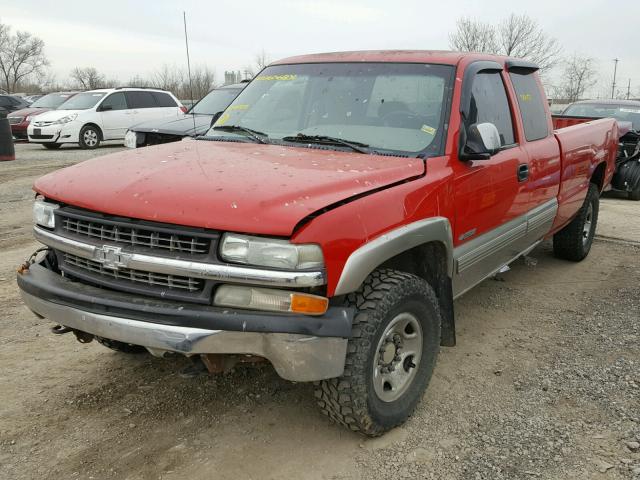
<point x="615" y="70"/>
<point x="628" y="89"/>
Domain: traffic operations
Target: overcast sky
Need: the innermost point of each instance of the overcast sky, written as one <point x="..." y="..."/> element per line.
<point x="123" y="39"/>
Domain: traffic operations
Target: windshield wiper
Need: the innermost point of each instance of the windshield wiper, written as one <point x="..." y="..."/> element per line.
<point x="327" y="140"/>
<point x="259" y="137"/>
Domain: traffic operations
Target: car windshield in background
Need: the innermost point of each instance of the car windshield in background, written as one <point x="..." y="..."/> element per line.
<point x="625" y="113"/>
<point x="394" y="107"/>
<point x="53" y="100"/>
<point x="215" y="101"/>
<point x="82" y="101"/>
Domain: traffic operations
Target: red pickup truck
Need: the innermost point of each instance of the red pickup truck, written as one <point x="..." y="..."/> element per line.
<point x="325" y="223"/>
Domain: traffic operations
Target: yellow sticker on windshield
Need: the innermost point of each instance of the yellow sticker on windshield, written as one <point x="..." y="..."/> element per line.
<point x="291" y="76"/>
<point x="222" y="120"/>
<point x="428" y="129"/>
<point x="238" y="107"/>
<point x="526" y="97"/>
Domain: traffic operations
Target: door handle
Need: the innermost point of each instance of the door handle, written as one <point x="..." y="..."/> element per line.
<point x="523" y="172"/>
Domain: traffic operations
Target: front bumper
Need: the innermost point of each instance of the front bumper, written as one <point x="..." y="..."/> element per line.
<point x="301" y="348"/>
<point x="63" y="133"/>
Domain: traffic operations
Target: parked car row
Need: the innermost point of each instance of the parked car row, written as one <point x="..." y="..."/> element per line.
<point x="150" y="116"/>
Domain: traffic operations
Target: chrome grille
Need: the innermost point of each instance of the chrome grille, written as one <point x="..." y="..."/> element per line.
<point x="42" y="123"/>
<point x="14" y="120"/>
<point x="137" y="276"/>
<point x="136" y="236"/>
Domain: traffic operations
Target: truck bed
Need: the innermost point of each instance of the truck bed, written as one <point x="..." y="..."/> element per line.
<point x="583" y="146"/>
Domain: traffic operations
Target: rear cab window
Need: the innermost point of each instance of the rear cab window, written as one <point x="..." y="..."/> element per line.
<point x="531" y="105"/>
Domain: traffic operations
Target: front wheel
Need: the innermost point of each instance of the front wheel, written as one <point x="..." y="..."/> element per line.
<point x="89" y="137"/>
<point x="574" y="241"/>
<point x="391" y="354"/>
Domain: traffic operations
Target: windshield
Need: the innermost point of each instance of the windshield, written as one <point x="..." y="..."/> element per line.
<point x="216" y="101"/>
<point x="395" y="107"/>
<point x="626" y="113"/>
<point x="53" y="100"/>
<point x="82" y="101"/>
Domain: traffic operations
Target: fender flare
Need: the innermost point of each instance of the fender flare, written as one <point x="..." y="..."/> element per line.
<point x="369" y="256"/>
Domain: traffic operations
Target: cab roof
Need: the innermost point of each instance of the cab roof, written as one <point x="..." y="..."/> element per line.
<point x="396" y="56"/>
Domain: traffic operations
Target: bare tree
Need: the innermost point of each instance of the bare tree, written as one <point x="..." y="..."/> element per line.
<point x="579" y="75"/>
<point x="473" y="36"/>
<point x="87" y="78"/>
<point x="202" y="80"/>
<point x="516" y="36"/>
<point x="21" y="57"/>
<point x="521" y="36"/>
<point x="170" y="78"/>
<point x="261" y="60"/>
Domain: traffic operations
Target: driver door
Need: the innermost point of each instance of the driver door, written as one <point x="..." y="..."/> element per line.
<point x="491" y="195"/>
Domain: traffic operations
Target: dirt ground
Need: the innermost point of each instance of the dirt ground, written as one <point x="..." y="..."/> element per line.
<point x="544" y="383"/>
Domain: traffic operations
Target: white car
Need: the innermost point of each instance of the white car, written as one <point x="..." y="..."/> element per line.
<point x="91" y="117"/>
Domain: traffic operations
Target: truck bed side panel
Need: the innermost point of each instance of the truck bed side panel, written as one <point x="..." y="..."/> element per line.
<point x="562" y="121"/>
<point x="583" y="147"/>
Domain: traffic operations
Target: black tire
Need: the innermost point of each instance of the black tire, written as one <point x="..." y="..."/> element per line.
<point x="90" y="137"/>
<point x="351" y="399"/>
<point x="52" y="146"/>
<point x="121" y="346"/>
<point x="635" y="194"/>
<point x="574" y="241"/>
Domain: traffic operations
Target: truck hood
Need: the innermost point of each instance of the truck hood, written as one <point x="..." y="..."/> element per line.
<point x="240" y="187"/>
<point x="24" y="112"/>
<point x="177" y="126"/>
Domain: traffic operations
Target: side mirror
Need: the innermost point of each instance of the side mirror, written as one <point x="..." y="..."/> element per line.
<point x="105" y="108"/>
<point x="483" y="140"/>
<point x="215" y="118"/>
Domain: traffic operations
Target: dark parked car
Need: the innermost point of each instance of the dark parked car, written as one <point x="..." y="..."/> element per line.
<point x="627" y="176"/>
<point x="195" y="122"/>
<point x="11" y="103"/>
<point x="20" y="119"/>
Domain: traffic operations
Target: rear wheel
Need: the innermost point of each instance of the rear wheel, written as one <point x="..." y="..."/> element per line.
<point x="89" y="137"/>
<point x="52" y="146"/>
<point x="574" y="241"/>
<point x="635" y="194"/>
<point x="391" y="354"/>
<point x="120" y="346"/>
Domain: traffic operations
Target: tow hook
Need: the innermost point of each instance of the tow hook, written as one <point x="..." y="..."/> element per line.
<point x="60" y="330"/>
<point x="82" y="337"/>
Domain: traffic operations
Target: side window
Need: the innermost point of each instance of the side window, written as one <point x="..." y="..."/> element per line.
<point x="164" y="99"/>
<point x="141" y="100"/>
<point x="489" y="103"/>
<point x="4" y="101"/>
<point x="531" y="103"/>
<point x="116" y="101"/>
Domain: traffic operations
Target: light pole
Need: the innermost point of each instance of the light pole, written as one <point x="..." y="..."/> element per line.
<point x="615" y="70"/>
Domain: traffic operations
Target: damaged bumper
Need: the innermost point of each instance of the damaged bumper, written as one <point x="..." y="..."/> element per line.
<point x="301" y="348"/>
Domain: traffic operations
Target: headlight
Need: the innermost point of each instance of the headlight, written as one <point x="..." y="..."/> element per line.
<point x="43" y="213"/>
<point x="67" y="119"/>
<point x="269" y="252"/>
<point x="27" y="118"/>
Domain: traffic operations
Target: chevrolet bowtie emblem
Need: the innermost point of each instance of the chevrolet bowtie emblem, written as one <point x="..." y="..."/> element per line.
<point x="112" y="257"/>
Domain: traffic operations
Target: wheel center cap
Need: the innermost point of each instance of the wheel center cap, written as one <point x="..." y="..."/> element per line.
<point x="389" y="353"/>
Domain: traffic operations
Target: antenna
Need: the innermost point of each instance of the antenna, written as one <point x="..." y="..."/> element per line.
<point x="186" y="42"/>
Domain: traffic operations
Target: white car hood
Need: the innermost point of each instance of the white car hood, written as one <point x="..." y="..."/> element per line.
<point x="53" y="115"/>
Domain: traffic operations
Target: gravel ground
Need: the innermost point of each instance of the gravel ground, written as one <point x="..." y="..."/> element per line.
<point x="544" y="383"/>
